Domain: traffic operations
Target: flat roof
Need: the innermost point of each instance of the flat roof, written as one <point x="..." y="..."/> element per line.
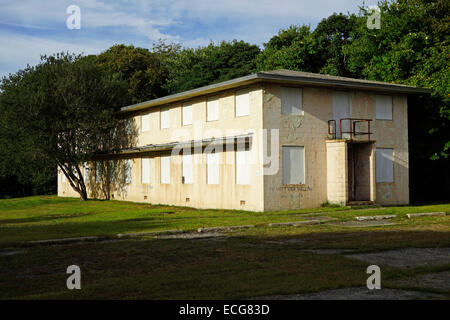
<point x="286" y="77"/>
<point x="150" y="148"/>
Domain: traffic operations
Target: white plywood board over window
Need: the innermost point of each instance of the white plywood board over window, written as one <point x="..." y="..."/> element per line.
<point x="212" y="109"/>
<point x="98" y="171"/>
<point x="383" y="107"/>
<point x="145" y="122"/>
<point x="291" y="101"/>
<point x="212" y="165"/>
<point x="243" y="166"/>
<point x="165" y="170"/>
<point x="145" y="170"/>
<point x="86" y="172"/>
<point x="128" y="170"/>
<point x="384" y="165"/>
<point x="187" y="114"/>
<point x="188" y="175"/>
<point x="242" y="103"/>
<point x="165" y="119"/>
<point x="293" y="165"/>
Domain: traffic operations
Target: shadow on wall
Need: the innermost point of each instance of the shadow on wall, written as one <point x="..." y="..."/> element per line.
<point x="111" y="174"/>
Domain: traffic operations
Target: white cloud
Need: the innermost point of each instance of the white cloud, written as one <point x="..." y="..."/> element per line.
<point x="22" y="50"/>
<point x="32" y="27"/>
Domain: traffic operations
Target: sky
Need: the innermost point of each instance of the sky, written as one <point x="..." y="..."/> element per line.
<point x="31" y="28"/>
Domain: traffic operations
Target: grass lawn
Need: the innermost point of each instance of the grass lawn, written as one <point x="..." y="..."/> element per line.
<point x="248" y="263"/>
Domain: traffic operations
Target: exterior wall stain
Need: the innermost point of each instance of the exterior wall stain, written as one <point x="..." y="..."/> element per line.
<point x="325" y="160"/>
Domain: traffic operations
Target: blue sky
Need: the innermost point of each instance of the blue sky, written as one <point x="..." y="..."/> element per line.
<point x="31" y="28"/>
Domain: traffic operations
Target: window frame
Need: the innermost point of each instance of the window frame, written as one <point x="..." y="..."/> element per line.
<point x="283" y="163"/>
<point x="211" y="164"/>
<point x="239" y="93"/>
<point x="208" y="99"/>
<point x="166" y="113"/>
<point x="391" y="99"/>
<point x="147" y="117"/>
<point x="148" y="161"/>
<point x="168" y="170"/>
<point x="301" y="100"/>
<point x="128" y="171"/>
<point x="185" y="166"/>
<point x="247" y="165"/>
<point x="377" y="166"/>
<point x="185" y="106"/>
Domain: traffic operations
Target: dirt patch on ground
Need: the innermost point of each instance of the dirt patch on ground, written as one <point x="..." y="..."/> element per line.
<point x="199" y="235"/>
<point x="366" y="223"/>
<point x="358" y="293"/>
<point x="440" y="280"/>
<point x="11" y="251"/>
<point x="330" y="251"/>
<point x="406" y="258"/>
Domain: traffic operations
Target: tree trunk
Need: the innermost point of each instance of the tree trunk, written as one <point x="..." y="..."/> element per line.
<point x="77" y="183"/>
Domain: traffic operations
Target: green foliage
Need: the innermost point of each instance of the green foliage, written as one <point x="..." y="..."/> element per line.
<point x="60" y="112"/>
<point x="411" y="48"/>
<point x="144" y="71"/>
<point x="291" y="49"/>
<point x="319" y="51"/>
<point x="77" y="95"/>
<point x="192" y="68"/>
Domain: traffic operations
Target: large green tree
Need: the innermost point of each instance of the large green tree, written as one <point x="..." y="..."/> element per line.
<point x="192" y="68"/>
<point x="144" y="71"/>
<point x="62" y="112"/>
<point x="320" y="51"/>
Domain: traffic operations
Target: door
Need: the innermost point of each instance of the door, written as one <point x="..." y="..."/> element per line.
<point x="341" y="110"/>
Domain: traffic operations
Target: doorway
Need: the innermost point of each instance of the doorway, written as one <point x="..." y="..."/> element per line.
<point x="359" y="168"/>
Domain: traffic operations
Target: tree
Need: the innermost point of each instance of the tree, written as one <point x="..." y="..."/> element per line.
<point x="144" y="71"/>
<point x="193" y="68"/>
<point x="63" y="111"/>
<point x="319" y="51"/>
<point x="291" y="49"/>
<point x="412" y="48"/>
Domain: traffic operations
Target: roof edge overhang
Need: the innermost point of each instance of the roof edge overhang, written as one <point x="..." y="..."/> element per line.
<point x="183" y="145"/>
<point x="316" y="80"/>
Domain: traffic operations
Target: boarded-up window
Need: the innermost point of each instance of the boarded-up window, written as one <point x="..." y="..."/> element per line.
<point x="242" y="103"/>
<point x="129" y="126"/>
<point x="112" y="170"/>
<point x="385" y="165"/>
<point x="86" y="172"/>
<point x="165" y="170"/>
<point x="165" y="119"/>
<point x="187" y="169"/>
<point x="98" y="171"/>
<point x="187" y="114"/>
<point x="293" y="165"/>
<point x="145" y="171"/>
<point x="212" y="168"/>
<point x="145" y="122"/>
<point x="128" y="170"/>
<point x="243" y="166"/>
<point x="383" y="107"/>
<point x="291" y="101"/>
<point x="212" y="109"/>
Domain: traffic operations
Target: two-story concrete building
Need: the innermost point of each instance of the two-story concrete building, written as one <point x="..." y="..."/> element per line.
<point x="273" y="140"/>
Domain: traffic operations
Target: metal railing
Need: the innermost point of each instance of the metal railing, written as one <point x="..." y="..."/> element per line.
<point x="352" y="132"/>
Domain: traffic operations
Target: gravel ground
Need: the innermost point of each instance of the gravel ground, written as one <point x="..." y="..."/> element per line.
<point x="366" y="223"/>
<point x="357" y="293"/>
<point x="440" y="280"/>
<point x="406" y="258"/>
<point x="191" y="235"/>
<point x="330" y="251"/>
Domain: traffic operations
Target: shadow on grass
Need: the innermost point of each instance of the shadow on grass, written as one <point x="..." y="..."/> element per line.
<point x="236" y="267"/>
<point x="46" y="218"/>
